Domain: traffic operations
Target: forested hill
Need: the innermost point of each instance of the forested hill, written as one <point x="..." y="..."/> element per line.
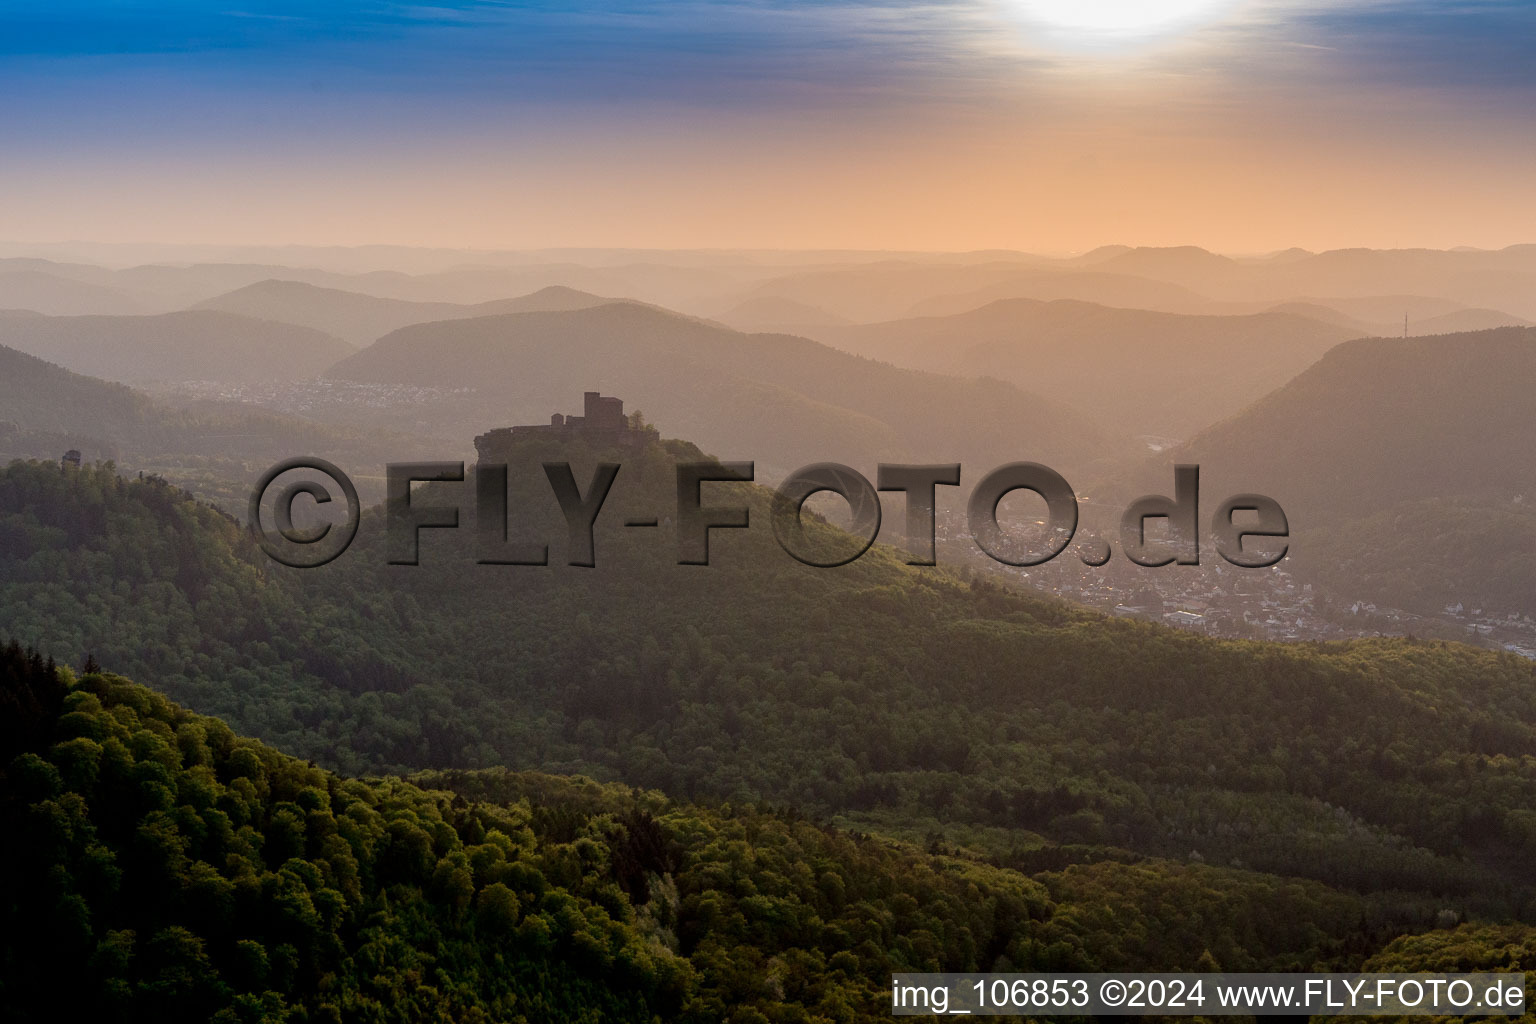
<point x="1405" y="466"/>
<point x="1380" y="421"/>
<point x="188" y="345"/>
<point x="882" y="696"/>
<point x="211" y="448"/>
<point x="206" y="877"/>
<point x="49" y="409"/>
<point x="164" y="868"/>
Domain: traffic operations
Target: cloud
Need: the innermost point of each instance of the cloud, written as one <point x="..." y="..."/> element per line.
<point x="759" y="53"/>
<point x="737" y="52"/>
<point x="1409" y="44"/>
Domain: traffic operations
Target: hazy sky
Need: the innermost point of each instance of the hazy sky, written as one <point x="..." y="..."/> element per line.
<point x="1043" y="125"/>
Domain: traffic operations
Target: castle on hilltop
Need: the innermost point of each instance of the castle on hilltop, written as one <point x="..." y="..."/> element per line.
<point x="602" y="422"/>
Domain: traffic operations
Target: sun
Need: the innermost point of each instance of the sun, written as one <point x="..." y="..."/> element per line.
<point x="1119" y="18"/>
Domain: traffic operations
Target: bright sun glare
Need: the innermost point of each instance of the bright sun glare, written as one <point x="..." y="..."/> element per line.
<point x="1118" y="17"/>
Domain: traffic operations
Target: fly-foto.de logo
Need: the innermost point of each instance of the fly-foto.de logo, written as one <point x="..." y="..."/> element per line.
<point x="695" y="515"/>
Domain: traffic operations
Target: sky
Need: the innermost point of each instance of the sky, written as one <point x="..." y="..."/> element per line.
<point x="1040" y="125"/>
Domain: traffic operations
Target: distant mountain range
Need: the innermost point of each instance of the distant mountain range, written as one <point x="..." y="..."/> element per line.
<point x="1178" y="280"/>
<point x="190" y="345"/>
<point x="855" y="286"/>
<point x="1502" y="280"/>
<point x="775" y="398"/>
<point x="42" y="292"/>
<point x="73" y="288"/>
<point x="362" y="319"/>
<point x="773" y="314"/>
<point x="1134" y="371"/>
<point x="1384" y="316"/>
<point x="883" y="291"/>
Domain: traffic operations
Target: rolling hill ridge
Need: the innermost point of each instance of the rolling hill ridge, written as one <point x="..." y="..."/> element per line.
<point x="781" y="400"/>
<point x="191" y="345"/>
<point x="1138" y="372"/>
<point x="361" y="319"/>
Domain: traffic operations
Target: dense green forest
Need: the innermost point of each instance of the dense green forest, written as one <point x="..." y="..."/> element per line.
<point x="1422" y="555"/>
<point x="877" y="696"/>
<point x="202" y="876"/>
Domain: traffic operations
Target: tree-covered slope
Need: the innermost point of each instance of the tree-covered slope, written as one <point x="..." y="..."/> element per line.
<point x="878" y="694"/>
<point x="215" y="450"/>
<point x="1422" y="555"/>
<point x="1404" y="465"/>
<point x="188" y="345"/>
<point x="1379" y="421"/>
<point x="163" y="868"/>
